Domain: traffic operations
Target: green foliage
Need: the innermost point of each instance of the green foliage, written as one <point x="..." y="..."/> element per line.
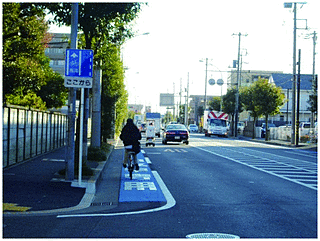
<point x="96" y="154"/>
<point x="168" y="117"/>
<point x="229" y="100"/>
<point x="304" y="139"/>
<point x="99" y="154"/>
<point x="105" y="27"/>
<point x="262" y="99"/>
<point x="100" y="22"/>
<point x="30" y="100"/>
<point x="313" y="98"/>
<point x="26" y="70"/>
<point x="215" y="103"/>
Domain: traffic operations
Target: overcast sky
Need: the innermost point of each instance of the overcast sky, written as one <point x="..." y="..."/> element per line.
<point x="183" y="32"/>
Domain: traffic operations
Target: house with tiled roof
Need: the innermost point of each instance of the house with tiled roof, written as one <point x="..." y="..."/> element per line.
<point x="285" y="82"/>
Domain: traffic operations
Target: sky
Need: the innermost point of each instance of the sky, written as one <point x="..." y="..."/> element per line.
<point x="181" y="34"/>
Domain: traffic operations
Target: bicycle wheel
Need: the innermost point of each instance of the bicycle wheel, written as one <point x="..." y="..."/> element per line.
<point x="130" y="166"/>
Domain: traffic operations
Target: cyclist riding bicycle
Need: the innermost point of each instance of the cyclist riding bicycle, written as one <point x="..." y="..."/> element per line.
<point x="130" y="135"/>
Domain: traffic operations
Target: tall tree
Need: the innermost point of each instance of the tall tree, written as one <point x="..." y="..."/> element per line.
<point x="267" y="98"/>
<point x="26" y="70"/>
<point x="249" y="97"/>
<point x="228" y="103"/>
<point x="215" y="103"/>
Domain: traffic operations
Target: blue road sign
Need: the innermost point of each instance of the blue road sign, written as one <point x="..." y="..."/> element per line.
<point x="79" y="63"/>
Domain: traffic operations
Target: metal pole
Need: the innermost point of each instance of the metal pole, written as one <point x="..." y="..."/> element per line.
<point x="81" y="136"/>
<point x="237" y="92"/>
<point x="298" y="97"/>
<point x="313" y="75"/>
<point x="293" y="111"/>
<point x="72" y="102"/>
<point x="205" y="87"/>
<point x="187" y="104"/>
<point x="96" y="108"/>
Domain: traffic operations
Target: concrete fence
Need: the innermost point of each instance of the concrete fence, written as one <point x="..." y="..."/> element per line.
<point x="28" y="133"/>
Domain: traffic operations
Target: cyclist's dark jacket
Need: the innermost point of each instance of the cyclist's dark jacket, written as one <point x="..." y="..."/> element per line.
<point x="130" y="135"/>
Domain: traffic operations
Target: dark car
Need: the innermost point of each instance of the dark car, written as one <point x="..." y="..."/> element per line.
<point x="175" y="133"/>
<point x="263" y="128"/>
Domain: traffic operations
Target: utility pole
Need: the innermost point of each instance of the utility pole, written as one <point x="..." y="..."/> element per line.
<point x="293" y="111"/>
<point x="314" y="37"/>
<point x="96" y="107"/>
<point x="72" y="101"/>
<point x="298" y="98"/>
<point x="236" y="108"/>
<point x="205" y="87"/>
<point x="187" y="104"/>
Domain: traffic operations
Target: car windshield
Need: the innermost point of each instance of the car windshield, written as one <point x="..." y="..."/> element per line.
<point x="193" y="126"/>
<point x="218" y="122"/>
<point x="176" y="127"/>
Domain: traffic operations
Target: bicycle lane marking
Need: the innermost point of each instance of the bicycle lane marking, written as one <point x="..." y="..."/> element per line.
<point x="143" y="187"/>
<point x="169" y="199"/>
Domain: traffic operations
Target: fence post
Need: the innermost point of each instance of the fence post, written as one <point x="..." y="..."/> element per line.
<point x="17" y="136"/>
<point x="8" y="136"/>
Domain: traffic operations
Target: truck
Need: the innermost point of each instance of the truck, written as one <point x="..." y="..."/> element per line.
<point x="215" y="123"/>
<point x="156" y="117"/>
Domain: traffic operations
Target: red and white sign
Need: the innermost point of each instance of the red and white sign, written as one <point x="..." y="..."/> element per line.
<point x="217" y="115"/>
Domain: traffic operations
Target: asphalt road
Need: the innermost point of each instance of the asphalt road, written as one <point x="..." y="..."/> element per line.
<point x="218" y="185"/>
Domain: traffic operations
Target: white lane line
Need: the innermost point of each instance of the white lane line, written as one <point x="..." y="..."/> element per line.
<point x="257" y="168"/>
<point x="170" y="203"/>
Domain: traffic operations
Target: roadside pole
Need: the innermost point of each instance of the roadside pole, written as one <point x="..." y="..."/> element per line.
<point x="96" y="108"/>
<point x="72" y="102"/>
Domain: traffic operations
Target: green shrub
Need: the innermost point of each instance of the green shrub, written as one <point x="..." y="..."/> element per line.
<point x="96" y="154"/>
<point x="304" y="139"/>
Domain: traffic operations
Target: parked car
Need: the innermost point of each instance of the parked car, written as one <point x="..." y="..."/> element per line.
<point x="240" y="127"/>
<point x="263" y="128"/>
<point x="193" y="128"/>
<point x="304" y="128"/>
<point x="175" y="133"/>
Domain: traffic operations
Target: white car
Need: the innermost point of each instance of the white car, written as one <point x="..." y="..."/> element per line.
<point x="193" y="128"/>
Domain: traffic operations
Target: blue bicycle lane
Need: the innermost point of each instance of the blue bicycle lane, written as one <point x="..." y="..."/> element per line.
<point x="143" y="187"/>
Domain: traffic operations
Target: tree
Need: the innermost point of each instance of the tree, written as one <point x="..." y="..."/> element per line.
<point x="26" y="70"/>
<point x="168" y="117"/>
<point x="105" y="27"/>
<point x="100" y="22"/>
<point x="215" y="103"/>
<point x="228" y="104"/>
<point x="267" y="99"/>
<point x="249" y="97"/>
<point x="313" y="98"/>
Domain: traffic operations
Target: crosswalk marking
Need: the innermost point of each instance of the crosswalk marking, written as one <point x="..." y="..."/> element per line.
<point x="175" y="150"/>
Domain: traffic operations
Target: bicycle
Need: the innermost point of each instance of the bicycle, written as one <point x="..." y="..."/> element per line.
<point x="131" y="165"/>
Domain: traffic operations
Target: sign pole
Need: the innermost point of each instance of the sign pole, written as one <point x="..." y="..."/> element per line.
<point x="81" y="136"/>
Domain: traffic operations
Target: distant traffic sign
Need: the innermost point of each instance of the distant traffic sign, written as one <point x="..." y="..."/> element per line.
<point x="79" y="63"/>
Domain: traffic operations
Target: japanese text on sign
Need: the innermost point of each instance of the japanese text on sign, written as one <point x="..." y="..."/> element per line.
<point x="74" y="82"/>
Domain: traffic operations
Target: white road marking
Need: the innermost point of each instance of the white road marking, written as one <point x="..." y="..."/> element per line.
<point x="274" y="173"/>
<point x="171" y="202"/>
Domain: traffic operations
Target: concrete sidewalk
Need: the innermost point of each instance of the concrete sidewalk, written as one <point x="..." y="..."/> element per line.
<point x="34" y="186"/>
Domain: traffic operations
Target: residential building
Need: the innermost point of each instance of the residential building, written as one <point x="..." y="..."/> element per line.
<point x="56" y="51"/>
